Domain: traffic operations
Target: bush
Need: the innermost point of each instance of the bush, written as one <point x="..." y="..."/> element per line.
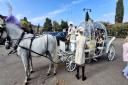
<point x="118" y="30"/>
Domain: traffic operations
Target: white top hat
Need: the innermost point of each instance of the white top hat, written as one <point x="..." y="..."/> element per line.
<point x="81" y="29"/>
<point x="69" y="23"/>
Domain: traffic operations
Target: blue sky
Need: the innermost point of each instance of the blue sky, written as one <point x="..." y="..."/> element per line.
<point x="70" y="10"/>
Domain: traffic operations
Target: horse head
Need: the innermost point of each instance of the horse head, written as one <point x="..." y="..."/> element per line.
<point x="1" y="25"/>
<point x="11" y="27"/>
<point x="3" y="34"/>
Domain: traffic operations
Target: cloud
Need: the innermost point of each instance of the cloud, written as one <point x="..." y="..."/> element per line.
<point x="50" y="14"/>
<point x="55" y="12"/>
<point x="108" y="17"/>
<point x="19" y="16"/>
<point x="125" y="19"/>
<point x="77" y="1"/>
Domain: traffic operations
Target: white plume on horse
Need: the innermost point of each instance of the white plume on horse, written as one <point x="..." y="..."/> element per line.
<point x="8" y="3"/>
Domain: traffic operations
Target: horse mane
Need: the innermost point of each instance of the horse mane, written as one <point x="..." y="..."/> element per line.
<point x="13" y="30"/>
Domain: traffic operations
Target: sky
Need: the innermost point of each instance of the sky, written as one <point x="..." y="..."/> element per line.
<point x="69" y="10"/>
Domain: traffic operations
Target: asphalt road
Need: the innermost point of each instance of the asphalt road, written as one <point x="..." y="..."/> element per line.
<point x="102" y="72"/>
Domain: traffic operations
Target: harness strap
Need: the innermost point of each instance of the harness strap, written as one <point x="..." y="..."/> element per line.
<point x="22" y="35"/>
<point x="47" y="52"/>
<point x="40" y="54"/>
<point x="17" y="43"/>
<point x="31" y="45"/>
<point x="1" y="34"/>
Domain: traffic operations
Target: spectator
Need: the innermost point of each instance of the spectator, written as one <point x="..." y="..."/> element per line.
<point x="125" y="57"/>
<point x="80" y="55"/>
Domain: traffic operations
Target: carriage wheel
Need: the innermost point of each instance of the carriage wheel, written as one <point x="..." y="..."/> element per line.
<point x="111" y="53"/>
<point x="70" y="63"/>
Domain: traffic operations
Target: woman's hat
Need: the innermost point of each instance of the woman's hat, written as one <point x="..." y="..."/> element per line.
<point x="70" y="23"/>
<point x="81" y="29"/>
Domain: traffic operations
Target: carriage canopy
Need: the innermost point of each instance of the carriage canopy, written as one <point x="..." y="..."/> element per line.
<point x="91" y="27"/>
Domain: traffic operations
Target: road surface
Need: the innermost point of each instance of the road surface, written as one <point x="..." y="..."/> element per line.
<point x="102" y="72"/>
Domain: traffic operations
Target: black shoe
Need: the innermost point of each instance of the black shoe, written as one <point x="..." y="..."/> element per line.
<point x="84" y="78"/>
<point x="77" y="76"/>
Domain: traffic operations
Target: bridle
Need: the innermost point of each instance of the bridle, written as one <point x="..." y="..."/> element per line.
<point x="2" y="29"/>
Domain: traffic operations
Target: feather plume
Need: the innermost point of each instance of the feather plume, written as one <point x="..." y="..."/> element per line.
<point x="9" y="7"/>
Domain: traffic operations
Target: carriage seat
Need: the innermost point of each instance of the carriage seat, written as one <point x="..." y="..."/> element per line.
<point x="90" y="46"/>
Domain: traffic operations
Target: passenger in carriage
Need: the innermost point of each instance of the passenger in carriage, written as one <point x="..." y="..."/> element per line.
<point x="99" y="40"/>
<point x="80" y="55"/>
<point x="125" y="57"/>
<point x="71" y="37"/>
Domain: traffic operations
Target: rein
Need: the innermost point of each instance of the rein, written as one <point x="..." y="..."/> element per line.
<point x="39" y="54"/>
<point x="19" y="40"/>
<point x="1" y="34"/>
<point x="29" y="49"/>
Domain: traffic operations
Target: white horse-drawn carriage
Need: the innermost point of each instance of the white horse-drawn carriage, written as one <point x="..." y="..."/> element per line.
<point x="98" y="45"/>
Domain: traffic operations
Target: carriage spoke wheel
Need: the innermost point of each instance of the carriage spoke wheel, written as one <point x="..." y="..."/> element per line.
<point x="70" y="63"/>
<point x="111" y="53"/>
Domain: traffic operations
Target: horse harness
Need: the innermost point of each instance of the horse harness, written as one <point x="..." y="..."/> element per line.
<point x="30" y="50"/>
<point x="1" y="33"/>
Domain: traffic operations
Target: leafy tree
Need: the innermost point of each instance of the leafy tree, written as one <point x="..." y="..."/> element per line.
<point x="119" y="11"/>
<point x="105" y="23"/>
<point x="25" y="24"/>
<point x="56" y="26"/>
<point x="48" y="25"/>
<point x="64" y="24"/>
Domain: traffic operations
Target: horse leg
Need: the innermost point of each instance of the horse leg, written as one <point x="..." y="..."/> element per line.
<point x="30" y="64"/>
<point x="55" y="67"/>
<point x="25" y="61"/>
<point x="49" y="70"/>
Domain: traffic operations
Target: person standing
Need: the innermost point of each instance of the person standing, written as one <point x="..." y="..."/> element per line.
<point x="80" y="55"/>
<point x="125" y="57"/>
<point x="71" y="37"/>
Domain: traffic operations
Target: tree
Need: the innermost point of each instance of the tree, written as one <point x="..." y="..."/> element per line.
<point x="105" y="23"/>
<point x="64" y="24"/>
<point x="119" y="11"/>
<point x="25" y="24"/>
<point x="56" y="26"/>
<point x="48" y="25"/>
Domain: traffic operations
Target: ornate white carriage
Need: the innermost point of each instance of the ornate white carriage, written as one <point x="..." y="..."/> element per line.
<point x="93" y="50"/>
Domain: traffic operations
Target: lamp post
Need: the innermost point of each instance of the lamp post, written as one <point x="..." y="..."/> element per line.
<point x="87" y="17"/>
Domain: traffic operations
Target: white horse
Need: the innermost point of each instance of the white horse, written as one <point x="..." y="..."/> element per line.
<point x="41" y="44"/>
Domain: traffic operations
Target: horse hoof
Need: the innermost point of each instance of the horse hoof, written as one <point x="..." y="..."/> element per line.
<point x="25" y="83"/>
<point x="32" y="71"/>
<point x="28" y="79"/>
<point x="54" y="74"/>
<point x="48" y="74"/>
